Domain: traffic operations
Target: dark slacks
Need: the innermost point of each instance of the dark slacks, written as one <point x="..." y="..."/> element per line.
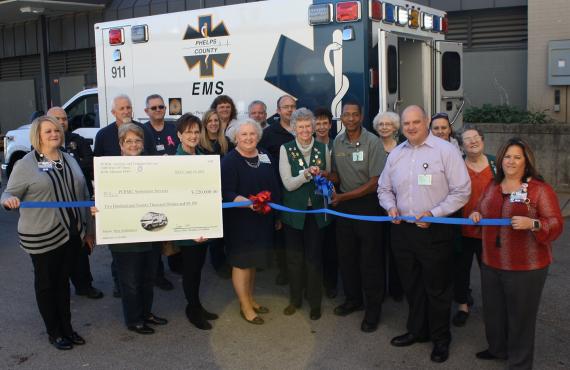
<point x="330" y="256"/>
<point x="193" y="258"/>
<point x="217" y="253"/>
<point x="394" y="283"/>
<point x="463" y="260"/>
<point x="136" y="272"/>
<point x="510" y="306"/>
<point x="51" y="283"/>
<point x="280" y="251"/>
<point x="305" y="260"/>
<point x="361" y="255"/>
<point x="80" y="270"/>
<point x="424" y="259"/>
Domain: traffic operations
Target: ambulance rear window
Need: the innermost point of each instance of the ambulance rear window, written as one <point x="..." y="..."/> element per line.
<point x="451" y="71"/>
<point x="392" y="66"/>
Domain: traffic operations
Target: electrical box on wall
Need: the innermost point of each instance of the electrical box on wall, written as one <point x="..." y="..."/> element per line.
<point x="559" y="62"/>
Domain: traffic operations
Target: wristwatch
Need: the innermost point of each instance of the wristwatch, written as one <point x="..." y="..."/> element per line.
<point x="535" y="225"/>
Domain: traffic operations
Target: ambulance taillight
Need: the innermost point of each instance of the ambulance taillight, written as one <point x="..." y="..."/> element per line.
<point x="116" y="36"/>
<point x="348" y="11"/>
<point x="389" y="13"/>
<point x="427" y="22"/>
<point x="375" y="10"/>
<point x="444" y="24"/>
<point x="414" y="18"/>
<point x="402" y="16"/>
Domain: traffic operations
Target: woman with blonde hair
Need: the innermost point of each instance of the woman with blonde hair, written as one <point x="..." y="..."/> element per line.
<point x="212" y="137"/>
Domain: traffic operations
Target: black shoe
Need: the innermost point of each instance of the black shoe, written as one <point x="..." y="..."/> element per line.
<point x="330" y="293"/>
<point x="61" y="343"/>
<point x="315" y="314"/>
<point x="155" y="320"/>
<point x="76" y="339"/>
<point x="486" y="355"/>
<point x="290" y="310"/>
<point x="347" y="308"/>
<point x="255" y="321"/>
<point x="197" y="319"/>
<point x="406" y="340"/>
<point x="90" y="292"/>
<point x="224" y="272"/>
<point x="460" y="318"/>
<point x="261" y="310"/>
<point x="116" y="291"/>
<point x="440" y="352"/>
<point x="208" y="315"/>
<point x="281" y="279"/>
<point x="141" y="329"/>
<point x="368" y="326"/>
<point x="163" y="283"/>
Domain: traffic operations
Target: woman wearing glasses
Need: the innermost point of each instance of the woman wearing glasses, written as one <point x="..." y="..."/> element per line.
<point x="482" y="169"/>
<point x="515" y="258"/>
<point x="136" y="263"/>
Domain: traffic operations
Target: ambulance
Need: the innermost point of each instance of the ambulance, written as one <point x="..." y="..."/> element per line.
<point x="385" y="55"/>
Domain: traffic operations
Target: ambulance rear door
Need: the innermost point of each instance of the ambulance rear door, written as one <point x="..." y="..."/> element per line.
<point x="388" y="71"/>
<point x="114" y="67"/>
<point x="449" y="81"/>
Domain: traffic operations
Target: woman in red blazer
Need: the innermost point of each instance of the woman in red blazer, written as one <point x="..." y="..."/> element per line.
<point x="516" y="257"/>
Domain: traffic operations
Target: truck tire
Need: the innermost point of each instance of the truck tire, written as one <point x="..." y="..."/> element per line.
<point x="15" y="158"/>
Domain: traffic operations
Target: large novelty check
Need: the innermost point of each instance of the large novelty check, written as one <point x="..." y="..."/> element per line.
<point x="156" y="198"/>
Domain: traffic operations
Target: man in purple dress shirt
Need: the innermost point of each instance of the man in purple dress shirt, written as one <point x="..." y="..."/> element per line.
<point x="424" y="176"/>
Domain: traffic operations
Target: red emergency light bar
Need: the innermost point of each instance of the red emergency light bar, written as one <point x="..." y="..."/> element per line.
<point x="444" y="24"/>
<point x="116" y="36"/>
<point x="348" y="11"/>
<point x="375" y="7"/>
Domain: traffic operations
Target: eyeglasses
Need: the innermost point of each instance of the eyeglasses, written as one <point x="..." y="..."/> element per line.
<point x="133" y="142"/>
<point x="385" y="124"/>
<point x="157" y="107"/>
<point x="287" y="107"/>
<point x="472" y="139"/>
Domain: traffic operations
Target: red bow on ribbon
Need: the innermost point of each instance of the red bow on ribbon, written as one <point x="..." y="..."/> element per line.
<point x="261" y="202"/>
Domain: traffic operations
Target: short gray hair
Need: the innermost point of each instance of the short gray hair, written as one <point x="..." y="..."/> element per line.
<point x="35" y="130"/>
<point x="249" y="121"/>
<point x="130" y="127"/>
<point x="256" y="102"/>
<point x="302" y="114"/>
<point x="120" y="97"/>
<point x="391" y="116"/>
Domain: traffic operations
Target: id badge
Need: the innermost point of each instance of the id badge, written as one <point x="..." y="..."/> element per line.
<point x="45" y="166"/>
<point x="160" y="148"/>
<point x="518" y="196"/>
<point x="358" y="156"/>
<point x="424" y="180"/>
<point x="264" y="158"/>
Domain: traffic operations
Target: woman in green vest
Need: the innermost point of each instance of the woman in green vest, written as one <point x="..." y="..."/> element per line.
<point x="188" y="128"/>
<point x="299" y="162"/>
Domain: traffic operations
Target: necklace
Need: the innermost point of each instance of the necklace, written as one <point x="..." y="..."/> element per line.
<point x="57" y="164"/>
<point x="253" y="165"/>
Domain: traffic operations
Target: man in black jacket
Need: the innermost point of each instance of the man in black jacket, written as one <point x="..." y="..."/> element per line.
<point x="79" y="149"/>
<point x="275" y="135"/>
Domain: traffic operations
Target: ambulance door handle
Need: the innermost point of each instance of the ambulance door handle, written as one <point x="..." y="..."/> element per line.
<point x="396" y="105"/>
<point x="458" y="112"/>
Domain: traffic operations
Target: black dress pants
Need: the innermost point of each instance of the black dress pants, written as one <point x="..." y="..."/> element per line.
<point x="51" y="283"/>
<point x="305" y="259"/>
<point x="394" y="283"/>
<point x="193" y="258"/>
<point x="361" y="255"/>
<point x="424" y="258"/>
<point x="462" y="268"/>
<point x="510" y="305"/>
<point x="80" y="270"/>
<point x="330" y="256"/>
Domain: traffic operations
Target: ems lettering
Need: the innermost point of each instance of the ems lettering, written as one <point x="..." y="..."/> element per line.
<point x="208" y="88"/>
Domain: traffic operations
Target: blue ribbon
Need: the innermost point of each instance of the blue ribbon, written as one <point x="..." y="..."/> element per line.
<point x="324" y="187"/>
<point x="278" y="207"/>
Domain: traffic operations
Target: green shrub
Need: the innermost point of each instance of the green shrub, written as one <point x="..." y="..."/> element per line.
<point x="503" y="114"/>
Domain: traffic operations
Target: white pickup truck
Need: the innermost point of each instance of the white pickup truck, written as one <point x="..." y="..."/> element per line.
<point x="83" y="113"/>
